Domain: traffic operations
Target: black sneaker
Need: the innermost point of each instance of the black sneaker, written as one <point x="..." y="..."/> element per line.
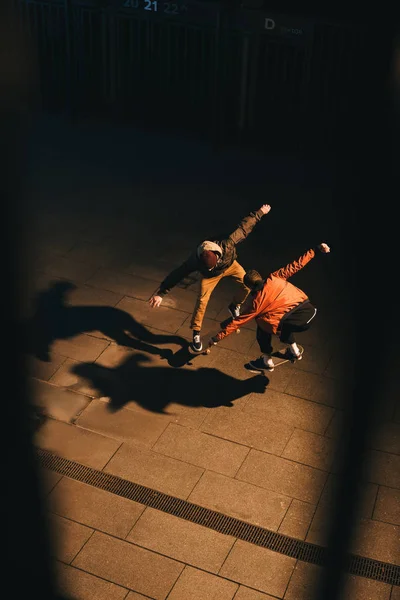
<point x="234" y="309"/>
<point x="259" y="365"/>
<point x="196" y="343"/>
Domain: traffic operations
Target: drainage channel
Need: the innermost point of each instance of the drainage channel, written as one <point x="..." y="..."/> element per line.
<point x="277" y="542"/>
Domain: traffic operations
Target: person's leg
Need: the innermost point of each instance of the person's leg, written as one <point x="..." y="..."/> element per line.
<point x="299" y="320"/>
<point x="237" y="273"/>
<point x="265" y="361"/>
<point x="207" y="286"/>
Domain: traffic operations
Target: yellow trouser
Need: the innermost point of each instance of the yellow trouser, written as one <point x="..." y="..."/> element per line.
<point x="207" y="285"/>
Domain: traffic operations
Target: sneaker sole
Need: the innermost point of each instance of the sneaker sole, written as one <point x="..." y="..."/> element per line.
<point x="195" y="350"/>
<point x="259" y="370"/>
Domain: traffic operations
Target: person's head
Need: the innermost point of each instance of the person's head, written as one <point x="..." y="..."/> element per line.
<point x="253" y="280"/>
<point x="209" y="259"/>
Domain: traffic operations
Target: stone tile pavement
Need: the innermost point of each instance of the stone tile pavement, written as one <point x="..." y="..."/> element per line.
<point x="104" y="229"/>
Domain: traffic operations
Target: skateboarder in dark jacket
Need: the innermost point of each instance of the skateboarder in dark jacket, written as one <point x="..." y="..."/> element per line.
<point x="278" y="307"/>
<point x="214" y="259"/>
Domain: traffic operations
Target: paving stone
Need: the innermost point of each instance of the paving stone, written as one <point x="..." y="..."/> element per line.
<point x="320" y="526"/>
<point x="66" y="378"/>
<point x="297" y="519"/>
<point x="67" y="537"/>
<point x="318" y="389"/>
<point x="45" y="370"/>
<point x="128" y="565"/>
<point x="248" y="429"/>
<point x="367" y="491"/>
<point x="282" y="476"/>
<point x="188" y="416"/>
<point x="100" y="254"/>
<point x="302" y="585"/>
<point x="59" y="242"/>
<point x="377" y="540"/>
<point x="387" y="507"/>
<point x="80" y="347"/>
<point x="310" y="449"/>
<point x="125" y="425"/>
<point x="76" y="444"/>
<point x="240" y="500"/>
<point x="62" y="266"/>
<point x="162" y="318"/>
<point x="156" y="271"/>
<point x="74" y="583"/>
<point x="194" y="584"/>
<point x="48" y="480"/>
<point x="56" y="402"/>
<point x="155" y="471"/>
<point x="245" y="593"/>
<point x="294" y="411"/>
<point x="383" y="468"/>
<point x="200" y="449"/>
<point x="360" y="588"/>
<point x="94" y="507"/>
<point x="258" y="568"/>
<point x="182" y="540"/>
<point x="231" y="362"/>
<point x="336" y="426"/>
<point x="395" y="593"/>
<point x="135" y="596"/>
<point x="85" y="295"/>
<point x="121" y="283"/>
<point x="386" y="438"/>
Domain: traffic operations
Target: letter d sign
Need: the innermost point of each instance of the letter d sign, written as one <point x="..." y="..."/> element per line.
<point x="269" y="24"/>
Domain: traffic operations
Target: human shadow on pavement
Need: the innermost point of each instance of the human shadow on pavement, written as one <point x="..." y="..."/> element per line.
<point x="154" y="387"/>
<point x="54" y="319"/>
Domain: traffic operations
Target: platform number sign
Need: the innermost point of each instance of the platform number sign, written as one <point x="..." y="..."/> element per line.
<point x="168" y="8"/>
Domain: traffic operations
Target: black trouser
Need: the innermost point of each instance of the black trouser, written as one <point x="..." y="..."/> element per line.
<point x="299" y="319"/>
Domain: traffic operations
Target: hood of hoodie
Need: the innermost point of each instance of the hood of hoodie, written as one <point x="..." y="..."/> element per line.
<point x="207" y="245"/>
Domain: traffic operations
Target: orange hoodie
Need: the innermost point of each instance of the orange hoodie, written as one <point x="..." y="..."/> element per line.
<point x="273" y="301"/>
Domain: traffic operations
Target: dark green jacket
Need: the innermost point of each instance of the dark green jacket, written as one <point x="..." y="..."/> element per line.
<point x="228" y="255"/>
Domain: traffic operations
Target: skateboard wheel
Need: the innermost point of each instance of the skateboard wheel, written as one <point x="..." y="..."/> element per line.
<point x="237" y="330"/>
<point x="208" y="351"/>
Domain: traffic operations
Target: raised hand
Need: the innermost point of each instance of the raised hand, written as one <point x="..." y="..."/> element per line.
<point x="265" y="208"/>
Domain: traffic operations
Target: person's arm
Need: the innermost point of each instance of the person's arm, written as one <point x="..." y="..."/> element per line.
<point x="247" y="224"/>
<point x="297" y="265"/>
<point x="173" y="278"/>
<point x="238" y="322"/>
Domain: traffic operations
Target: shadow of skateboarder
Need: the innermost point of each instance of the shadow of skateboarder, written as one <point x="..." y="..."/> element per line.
<point x="154" y="387"/>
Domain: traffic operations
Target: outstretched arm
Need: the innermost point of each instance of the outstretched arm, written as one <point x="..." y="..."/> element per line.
<point x="247" y="224"/>
<point x="297" y="265"/>
<point x="172" y="279"/>
<point x="250" y="313"/>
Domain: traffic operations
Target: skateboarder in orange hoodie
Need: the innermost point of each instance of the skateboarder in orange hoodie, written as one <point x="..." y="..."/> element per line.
<point x="278" y="307"/>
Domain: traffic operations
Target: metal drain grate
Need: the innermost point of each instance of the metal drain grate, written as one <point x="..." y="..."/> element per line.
<point x="304" y="551"/>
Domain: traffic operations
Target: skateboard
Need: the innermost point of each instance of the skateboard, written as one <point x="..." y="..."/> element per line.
<point x="279" y="354"/>
<point x="206" y="338"/>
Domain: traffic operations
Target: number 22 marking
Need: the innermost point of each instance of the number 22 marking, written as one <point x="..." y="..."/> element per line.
<point x="170" y="9"/>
